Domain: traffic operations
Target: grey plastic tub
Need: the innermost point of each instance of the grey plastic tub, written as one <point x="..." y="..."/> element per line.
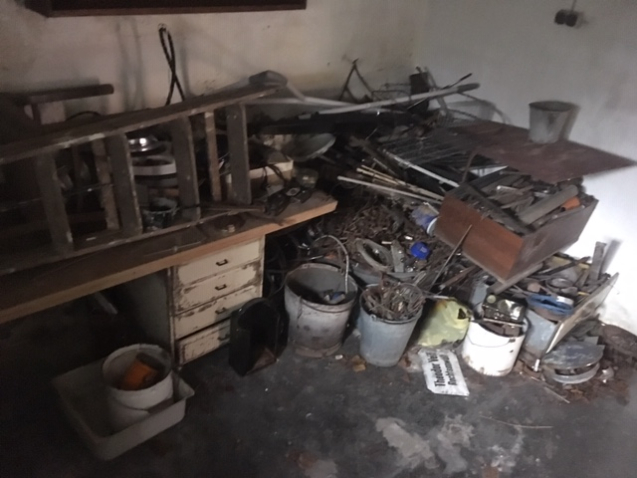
<point x="83" y="397"/>
<point x="383" y="342"/>
<point x="548" y="120"/>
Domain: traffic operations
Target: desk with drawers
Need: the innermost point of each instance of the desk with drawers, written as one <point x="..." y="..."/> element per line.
<point x="180" y="287"/>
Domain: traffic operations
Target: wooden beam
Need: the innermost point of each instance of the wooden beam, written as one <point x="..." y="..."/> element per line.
<point x="60" y="94"/>
<point x="239" y="158"/>
<point x="213" y="156"/>
<point x="53" y="202"/>
<point x="124" y="123"/>
<point x="181" y="133"/>
<point x="124" y="184"/>
<point x="107" y="196"/>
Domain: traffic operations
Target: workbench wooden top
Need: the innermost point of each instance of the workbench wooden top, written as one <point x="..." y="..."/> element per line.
<point x="37" y="289"/>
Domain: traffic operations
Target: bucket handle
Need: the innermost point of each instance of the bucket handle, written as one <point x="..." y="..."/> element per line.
<point x="342" y="246"/>
<point x="487" y="346"/>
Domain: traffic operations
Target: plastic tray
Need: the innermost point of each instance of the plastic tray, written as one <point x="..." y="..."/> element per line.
<point x="83" y="397"/>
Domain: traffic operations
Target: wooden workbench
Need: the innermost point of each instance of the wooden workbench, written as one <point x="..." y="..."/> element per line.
<point x="37" y="289"/>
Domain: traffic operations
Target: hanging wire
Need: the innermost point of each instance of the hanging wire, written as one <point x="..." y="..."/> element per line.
<point x="167" y="45"/>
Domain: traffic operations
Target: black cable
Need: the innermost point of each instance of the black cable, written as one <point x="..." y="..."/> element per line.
<point x="167" y="45"/>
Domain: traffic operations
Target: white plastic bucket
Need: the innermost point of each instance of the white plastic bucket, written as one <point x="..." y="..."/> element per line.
<point x="126" y="407"/>
<point x="489" y="353"/>
<point x="315" y="329"/>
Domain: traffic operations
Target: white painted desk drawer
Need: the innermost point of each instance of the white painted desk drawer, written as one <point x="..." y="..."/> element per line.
<point x="217" y="286"/>
<point x="213" y="312"/>
<point x="203" y="342"/>
<point x="217" y="263"/>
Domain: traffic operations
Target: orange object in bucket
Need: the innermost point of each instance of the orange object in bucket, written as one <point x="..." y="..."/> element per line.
<point x="572" y="203"/>
<point x="138" y="376"/>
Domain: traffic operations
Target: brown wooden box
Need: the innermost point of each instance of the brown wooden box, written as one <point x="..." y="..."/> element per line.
<point x="495" y="248"/>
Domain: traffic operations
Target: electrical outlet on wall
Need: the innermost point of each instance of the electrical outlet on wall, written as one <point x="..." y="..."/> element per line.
<point x="570" y="18"/>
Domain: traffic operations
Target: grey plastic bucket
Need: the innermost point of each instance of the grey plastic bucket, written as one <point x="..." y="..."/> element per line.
<point x="316" y="329"/>
<point x="383" y="342"/>
<point x="548" y="120"/>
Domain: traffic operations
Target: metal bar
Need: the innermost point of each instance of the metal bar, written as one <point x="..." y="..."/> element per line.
<point x="596" y="265"/>
<point x="546" y="205"/>
<point x="181" y="133"/>
<point x="383" y="188"/>
<point x="496" y="211"/>
<point x="124" y="184"/>
<point x="424" y="171"/>
<point x="213" y="156"/>
<point x="239" y="158"/>
<point x="53" y="202"/>
<point x="405" y="99"/>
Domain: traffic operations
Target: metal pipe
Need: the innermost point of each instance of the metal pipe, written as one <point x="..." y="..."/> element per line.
<point x="403" y="99"/>
<point x="383" y="188"/>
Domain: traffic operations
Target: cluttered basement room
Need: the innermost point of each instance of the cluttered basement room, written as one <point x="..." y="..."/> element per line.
<point x="318" y="238"/>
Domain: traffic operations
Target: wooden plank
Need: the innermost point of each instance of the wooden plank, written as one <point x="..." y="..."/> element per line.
<point x="30" y="291"/>
<point x="60" y="94"/>
<point x="53" y="202"/>
<point x="181" y="133"/>
<point x="489" y="245"/>
<point x="548" y="204"/>
<point x="551" y="163"/>
<point x="553" y="237"/>
<point x="76" y="8"/>
<point x="78" y="133"/>
<point x="213" y="156"/>
<point x="239" y="159"/>
<point x="124" y="185"/>
<point x="107" y="195"/>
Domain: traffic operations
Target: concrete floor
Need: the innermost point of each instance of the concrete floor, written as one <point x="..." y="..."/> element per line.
<point x="316" y="419"/>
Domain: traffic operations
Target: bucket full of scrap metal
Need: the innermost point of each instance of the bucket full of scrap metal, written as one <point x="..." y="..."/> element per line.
<point x="435" y="195"/>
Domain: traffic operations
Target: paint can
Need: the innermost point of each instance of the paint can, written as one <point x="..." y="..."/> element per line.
<point x="489" y="353"/>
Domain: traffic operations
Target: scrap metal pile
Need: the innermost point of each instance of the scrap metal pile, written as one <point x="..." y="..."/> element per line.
<point x="458" y="208"/>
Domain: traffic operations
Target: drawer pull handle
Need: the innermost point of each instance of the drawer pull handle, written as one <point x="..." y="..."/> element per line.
<point x="222" y="263"/>
<point x="221" y="287"/>
<point x="221" y="311"/>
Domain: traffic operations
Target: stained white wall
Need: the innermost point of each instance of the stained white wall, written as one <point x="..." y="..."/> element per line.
<point x="312" y="47"/>
<point x="519" y="55"/>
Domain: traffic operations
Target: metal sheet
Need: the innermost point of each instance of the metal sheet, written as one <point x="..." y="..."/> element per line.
<point x="551" y="163"/>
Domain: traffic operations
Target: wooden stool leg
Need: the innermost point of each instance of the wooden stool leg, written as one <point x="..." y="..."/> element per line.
<point x="103" y="168"/>
<point x="213" y="156"/>
<point x="239" y="158"/>
<point x="53" y="202"/>
<point x="124" y="184"/>
<point x="181" y="133"/>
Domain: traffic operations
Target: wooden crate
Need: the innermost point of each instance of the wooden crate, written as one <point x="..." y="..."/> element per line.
<point x="495" y="248"/>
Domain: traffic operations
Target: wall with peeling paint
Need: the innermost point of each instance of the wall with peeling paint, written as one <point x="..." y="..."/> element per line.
<point x="519" y="55"/>
<point x="312" y="47"/>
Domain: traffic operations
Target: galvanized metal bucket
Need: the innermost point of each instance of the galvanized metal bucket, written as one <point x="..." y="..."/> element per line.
<point x="316" y="329"/>
<point x="548" y="120"/>
<point x="383" y="342"/>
